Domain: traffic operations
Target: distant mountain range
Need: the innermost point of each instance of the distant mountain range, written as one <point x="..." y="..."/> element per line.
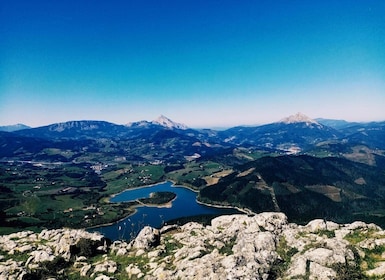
<point x="307" y="168"/>
<point x="292" y="135"/>
<point x="296" y="132"/>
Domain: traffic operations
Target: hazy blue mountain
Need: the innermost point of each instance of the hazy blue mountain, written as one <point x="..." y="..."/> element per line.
<point x="297" y="131"/>
<point x="76" y="130"/>
<point x="371" y="134"/>
<point x="163" y="137"/>
<point x="15" y="127"/>
<point x="336" y="124"/>
<point x="140" y="141"/>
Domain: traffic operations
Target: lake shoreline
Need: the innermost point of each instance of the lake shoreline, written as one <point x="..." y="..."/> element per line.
<point x="185" y="204"/>
<point x="245" y="211"/>
<point x="149" y="186"/>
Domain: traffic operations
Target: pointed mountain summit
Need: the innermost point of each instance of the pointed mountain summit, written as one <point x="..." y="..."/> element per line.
<point x="166" y="122"/>
<point x="299" y="118"/>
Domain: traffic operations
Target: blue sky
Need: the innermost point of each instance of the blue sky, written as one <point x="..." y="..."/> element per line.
<point x="203" y="63"/>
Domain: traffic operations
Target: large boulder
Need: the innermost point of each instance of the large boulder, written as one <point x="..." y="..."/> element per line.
<point x="147" y="238"/>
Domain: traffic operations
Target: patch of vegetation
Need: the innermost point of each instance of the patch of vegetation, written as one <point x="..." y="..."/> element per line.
<point x="228" y="248"/>
<point x="17" y="256"/>
<point x="49" y="269"/>
<point x="124" y="261"/>
<point x="171" y="245"/>
<point x="350" y="270"/>
<point x="86" y="247"/>
<point x="327" y="233"/>
<point x="75" y="275"/>
<point x="373" y="256"/>
<point x="281" y="264"/>
<point x="358" y="235"/>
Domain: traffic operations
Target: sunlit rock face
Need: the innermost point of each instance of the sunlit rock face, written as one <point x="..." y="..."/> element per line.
<point x="262" y="246"/>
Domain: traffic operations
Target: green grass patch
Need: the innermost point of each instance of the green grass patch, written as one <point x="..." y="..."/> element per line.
<point x="228" y="248"/>
<point x="373" y="256"/>
<point x="327" y="233"/>
<point x="17" y="256"/>
<point x="359" y="235"/>
<point x="285" y="253"/>
<point x="171" y="245"/>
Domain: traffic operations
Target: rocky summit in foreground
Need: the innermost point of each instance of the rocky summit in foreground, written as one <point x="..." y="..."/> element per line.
<point x="264" y="246"/>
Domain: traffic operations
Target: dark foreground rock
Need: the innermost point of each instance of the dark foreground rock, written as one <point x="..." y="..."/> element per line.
<point x="263" y="246"/>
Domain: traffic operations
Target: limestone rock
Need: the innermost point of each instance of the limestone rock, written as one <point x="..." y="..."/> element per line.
<point x="148" y="237"/>
<point x="106" y="266"/>
<point x="102" y="277"/>
<point x="85" y="269"/>
<point x="319" y="224"/>
<point x="320" y="272"/>
<point x="378" y="271"/>
<point x="133" y="269"/>
<point x="261" y="246"/>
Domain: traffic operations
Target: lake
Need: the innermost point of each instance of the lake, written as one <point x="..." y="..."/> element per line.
<point x="184" y="205"/>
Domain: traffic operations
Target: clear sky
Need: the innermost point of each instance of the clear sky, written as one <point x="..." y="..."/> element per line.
<point x="202" y="63"/>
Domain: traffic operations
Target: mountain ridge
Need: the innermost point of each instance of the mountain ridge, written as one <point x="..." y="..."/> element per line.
<point x="294" y="118"/>
<point x="294" y="134"/>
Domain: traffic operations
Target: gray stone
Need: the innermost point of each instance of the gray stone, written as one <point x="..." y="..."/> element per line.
<point x="133" y="269"/>
<point x="319" y="272"/>
<point x="106" y="266"/>
<point x="378" y="271"/>
<point x="147" y="238"/>
<point x="85" y="269"/>
<point x="102" y="277"/>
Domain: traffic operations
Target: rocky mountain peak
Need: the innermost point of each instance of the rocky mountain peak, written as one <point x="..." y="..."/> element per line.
<point x="298" y="118"/>
<point x="166" y="122"/>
